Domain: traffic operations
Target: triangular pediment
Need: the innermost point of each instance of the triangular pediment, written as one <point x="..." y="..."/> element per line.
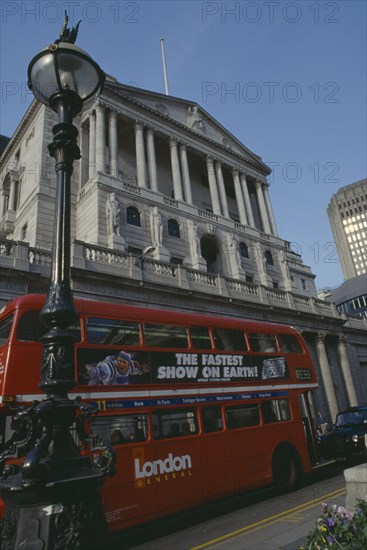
<point x="187" y="114"/>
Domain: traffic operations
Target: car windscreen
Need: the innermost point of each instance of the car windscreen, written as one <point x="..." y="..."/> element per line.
<point x="351" y="417"/>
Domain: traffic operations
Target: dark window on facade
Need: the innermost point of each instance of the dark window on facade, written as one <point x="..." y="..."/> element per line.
<point x="113" y="331"/>
<point x="23" y="234"/>
<point x="249" y="279"/>
<point x="244" y="250"/>
<point x="275" y="284"/>
<point x="242" y="416"/>
<point x="173" y="228"/>
<point x="176" y="261"/>
<point x="174" y="423"/>
<point x="269" y="257"/>
<point x="134" y="250"/>
<point x="133" y="216"/>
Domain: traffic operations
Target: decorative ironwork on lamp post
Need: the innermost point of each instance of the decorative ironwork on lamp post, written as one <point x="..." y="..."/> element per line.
<point x="52" y="499"/>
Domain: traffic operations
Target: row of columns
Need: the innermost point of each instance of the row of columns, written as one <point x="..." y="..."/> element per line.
<point x="327" y="378"/>
<point x="8" y="195"/>
<point x="146" y="167"/>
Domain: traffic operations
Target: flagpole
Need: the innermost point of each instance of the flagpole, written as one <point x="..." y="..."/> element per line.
<point x="164" y="67"/>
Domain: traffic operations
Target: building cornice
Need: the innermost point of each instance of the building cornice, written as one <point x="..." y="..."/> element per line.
<point x="20" y="131"/>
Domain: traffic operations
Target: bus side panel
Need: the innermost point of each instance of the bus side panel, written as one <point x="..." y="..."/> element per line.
<point x="250" y="449"/>
<point x="129" y="499"/>
<point x="179" y="488"/>
<point x="24" y="374"/>
<point x="217" y="474"/>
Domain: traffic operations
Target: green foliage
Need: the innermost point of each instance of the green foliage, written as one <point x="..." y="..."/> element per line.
<point x="339" y="529"/>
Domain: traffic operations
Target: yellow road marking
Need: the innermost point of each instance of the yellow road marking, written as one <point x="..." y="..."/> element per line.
<point x="270" y="520"/>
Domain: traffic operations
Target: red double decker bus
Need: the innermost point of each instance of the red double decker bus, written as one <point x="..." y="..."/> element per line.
<point x="196" y="406"/>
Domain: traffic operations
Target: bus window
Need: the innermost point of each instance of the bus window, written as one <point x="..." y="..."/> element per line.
<point x="265" y="343"/>
<point x="122" y="429"/>
<point x="113" y="331"/>
<point x="31" y="329"/>
<point x="212" y="419"/>
<point x="200" y="338"/>
<point x="165" y="336"/>
<point x="174" y="423"/>
<point x="229" y="339"/>
<point x="5" y="328"/>
<point x="288" y="343"/>
<point x="275" y="411"/>
<point x="241" y="416"/>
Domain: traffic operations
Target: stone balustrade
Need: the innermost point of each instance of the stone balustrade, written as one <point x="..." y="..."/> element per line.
<point x="147" y="270"/>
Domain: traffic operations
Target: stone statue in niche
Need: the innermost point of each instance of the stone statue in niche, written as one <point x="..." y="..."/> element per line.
<point x="195" y="119"/>
<point x="156" y="227"/>
<point x="194" y="240"/>
<point x="234" y="250"/>
<point x="113" y="212"/>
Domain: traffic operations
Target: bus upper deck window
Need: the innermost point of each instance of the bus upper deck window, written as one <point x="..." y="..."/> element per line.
<point x="200" y="338"/>
<point x="31" y="329"/>
<point x="229" y="339"/>
<point x="5" y="328"/>
<point x="265" y="343"/>
<point x="113" y="331"/>
<point x="165" y="336"/>
<point x="288" y="343"/>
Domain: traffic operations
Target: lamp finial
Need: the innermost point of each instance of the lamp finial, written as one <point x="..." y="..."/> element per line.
<point x="67" y="35"/>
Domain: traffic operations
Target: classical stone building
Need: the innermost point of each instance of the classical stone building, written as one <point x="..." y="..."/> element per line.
<point x="158" y="174"/>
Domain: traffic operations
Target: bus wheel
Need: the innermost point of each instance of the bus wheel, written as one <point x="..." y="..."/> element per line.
<point x="286" y="471"/>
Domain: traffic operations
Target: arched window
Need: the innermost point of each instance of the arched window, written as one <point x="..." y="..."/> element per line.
<point x="173" y="228"/>
<point x="244" y="250"/>
<point x="133" y="216"/>
<point x="269" y="258"/>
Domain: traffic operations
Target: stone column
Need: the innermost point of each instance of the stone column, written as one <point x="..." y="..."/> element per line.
<point x="185" y="173"/>
<point x="239" y="198"/>
<point x="100" y="138"/>
<point x="114" y="171"/>
<point x="246" y="197"/>
<point x="92" y="146"/>
<point x="2" y="203"/>
<point x="349" y="385"/>
<point x="222" y="189"/>
<point x="326" y="376"/>
<point x="213" y="186"/>
<point x="262" y="207"/>
<point x="140" y="155"/>
<point x="269" y="209"/>
<point x="13" y="183"/>
<point x="176" y="174"/>
<point x="152" y="162"/>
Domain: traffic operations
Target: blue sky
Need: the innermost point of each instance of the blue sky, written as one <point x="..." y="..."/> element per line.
<point x="287" y="78"/>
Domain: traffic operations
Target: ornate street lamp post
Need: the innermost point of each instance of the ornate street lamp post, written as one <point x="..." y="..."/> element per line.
<point x="52" y="499"/>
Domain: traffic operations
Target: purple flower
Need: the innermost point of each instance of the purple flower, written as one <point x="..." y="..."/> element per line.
<point x="330" y="522"/>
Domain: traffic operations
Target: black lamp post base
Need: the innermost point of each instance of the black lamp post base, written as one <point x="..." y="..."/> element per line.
<point x="62" y="515"/>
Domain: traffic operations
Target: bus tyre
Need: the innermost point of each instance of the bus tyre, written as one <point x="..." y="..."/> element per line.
<point x="286" y="471"/>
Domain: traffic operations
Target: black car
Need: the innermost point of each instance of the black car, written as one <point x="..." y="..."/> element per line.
<point x="347" y="439"/>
